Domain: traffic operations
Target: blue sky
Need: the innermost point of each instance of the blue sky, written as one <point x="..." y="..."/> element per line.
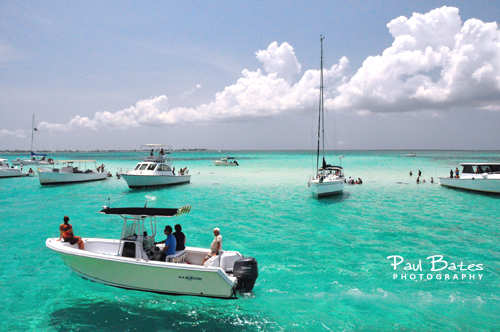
<point x="245" y="74"/>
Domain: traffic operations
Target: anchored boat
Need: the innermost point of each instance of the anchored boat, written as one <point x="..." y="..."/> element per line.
<point x="483" y="177"/>
<point x="329" y="179"/>
<point x="156" y="170"/>
<point x="10" y="172"/>
<point x="72" y="171"/>
<point x="132" y="261"/>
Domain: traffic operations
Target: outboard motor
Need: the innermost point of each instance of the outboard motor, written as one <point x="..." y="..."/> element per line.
<point x="246" y="272"/>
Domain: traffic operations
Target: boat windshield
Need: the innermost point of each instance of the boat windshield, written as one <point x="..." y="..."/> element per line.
<point x="143" y="167"/>
<point x="164" y="167"/>
<point x="151" y="167"/>
<point x="483" y="168"/>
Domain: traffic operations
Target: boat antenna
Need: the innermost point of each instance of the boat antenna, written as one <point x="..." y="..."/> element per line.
<point x="32" y="130"/>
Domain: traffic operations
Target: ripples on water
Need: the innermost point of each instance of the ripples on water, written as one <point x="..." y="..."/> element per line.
<point x="322" y="263"/>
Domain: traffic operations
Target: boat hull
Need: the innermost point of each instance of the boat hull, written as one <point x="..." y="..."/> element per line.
<point x="48" y="177"/>
<point x="480" y="184"/>
<point x="11" y="174"/>
<point x="326" y="188"/>
<point x="18" y="162"/>
<point x="142" y="275"/>
<point x="221" y="163"/>
<point x="141" y="181"/>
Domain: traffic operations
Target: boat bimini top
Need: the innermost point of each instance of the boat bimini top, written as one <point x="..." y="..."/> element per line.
<point x="146" y="211"/>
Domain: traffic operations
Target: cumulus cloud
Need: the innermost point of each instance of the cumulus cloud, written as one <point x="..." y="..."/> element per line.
<point x="255" y="94"/>
<point x="434" y="63"/>
<point x="17" y="133"/>
<point x="187" y="93"/>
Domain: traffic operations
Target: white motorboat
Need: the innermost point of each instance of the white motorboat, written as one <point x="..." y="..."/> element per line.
<point x="411" y="155"/>
<point x="132" y="261"/>
<point x="156" y="170"/>
<point x="228" y="161"/>
<point x="328" y="179"/>
<point x="483" y="177"/>
<point x="72" y="171"/>
<point x="6" y="171"/>
<point x="35" y="158"/>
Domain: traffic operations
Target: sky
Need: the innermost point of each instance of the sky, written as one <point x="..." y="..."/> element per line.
<point x="244" y="75"/>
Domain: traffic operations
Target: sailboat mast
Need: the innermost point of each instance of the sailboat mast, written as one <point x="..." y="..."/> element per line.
<point x="320" y="107"/>
<point x="322" y="101"/>
<point x="32" y="130"/>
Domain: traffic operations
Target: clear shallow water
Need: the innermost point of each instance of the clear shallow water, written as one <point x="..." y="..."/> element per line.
<point x="322" y="263"/>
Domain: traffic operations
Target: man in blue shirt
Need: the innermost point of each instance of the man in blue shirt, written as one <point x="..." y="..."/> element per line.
<point x="170" y="244"/>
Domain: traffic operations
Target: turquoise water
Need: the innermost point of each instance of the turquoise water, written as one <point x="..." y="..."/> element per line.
<point x="322" y="263"/>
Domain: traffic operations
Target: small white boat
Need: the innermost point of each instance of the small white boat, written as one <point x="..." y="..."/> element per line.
<point x="228" y="161"/>
<point x="35" y="158"/>
<point x="328" y="180"/>
<point x="72" y="171"/>
<point x="132" y="261"/>
<point x="6" y="171"/>
<point x="483" y="177"/>
<point x="411" y="155"/>
<point x="156" y="170"/>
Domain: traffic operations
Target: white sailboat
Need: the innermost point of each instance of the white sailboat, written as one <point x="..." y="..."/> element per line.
<point x="328" y="179"/>
<point x="36" y="158"/>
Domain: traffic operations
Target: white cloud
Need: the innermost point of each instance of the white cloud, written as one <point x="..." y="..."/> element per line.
<point x="187" y="93"/>
<point x="280" y="61"/>
<point x="434" y="63"/>
<point x="17" y="133"/>
<point x="255" y="94"/>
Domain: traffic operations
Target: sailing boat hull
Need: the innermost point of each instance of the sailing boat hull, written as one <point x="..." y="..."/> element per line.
<point x="18" y="162"/>
<point x="326" y="188"/>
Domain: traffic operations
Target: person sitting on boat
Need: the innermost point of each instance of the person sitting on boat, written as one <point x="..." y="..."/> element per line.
<point x="31" y="171"/>
<point x="66" y="232"/>
<point x="43" y="158"/>
<point x="216" y="245"/>
<point x="180" y="238"/>
<point x="170" y="244"/>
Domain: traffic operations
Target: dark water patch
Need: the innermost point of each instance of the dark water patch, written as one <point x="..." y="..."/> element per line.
<point x="139" y="316"/>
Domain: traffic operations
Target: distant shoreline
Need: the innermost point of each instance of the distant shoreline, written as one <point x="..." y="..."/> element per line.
<point x="227" y="150"/>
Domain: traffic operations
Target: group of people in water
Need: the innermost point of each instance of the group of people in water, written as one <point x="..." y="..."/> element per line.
<point x="352" y="181"/>
<point x="175" y="241"/>
<point x="418" y="178"/>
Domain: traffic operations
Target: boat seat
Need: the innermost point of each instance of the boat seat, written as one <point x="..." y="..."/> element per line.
<point x="178" y="257"/>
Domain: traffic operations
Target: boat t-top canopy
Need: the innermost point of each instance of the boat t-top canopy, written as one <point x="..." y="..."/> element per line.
<point x="147" y="211"/>
<point x="155" y="146"/>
